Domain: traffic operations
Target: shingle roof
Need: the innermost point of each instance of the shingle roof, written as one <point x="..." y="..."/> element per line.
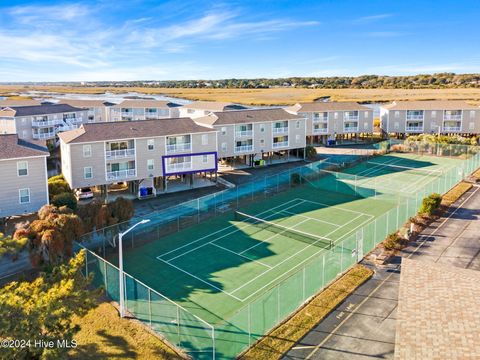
<point x="10" y="103"/>
<point x="247" y="116"/>
<point x="147" y="104"/>
<point x="213" y="106"/>
<point x="430" y="105"/>
<point x="85" y="103"/>
<point x="44" y="109"/>
<point x="327" y="106"/>
<point x="11" y="147"/>
<point x="132" y="129"/>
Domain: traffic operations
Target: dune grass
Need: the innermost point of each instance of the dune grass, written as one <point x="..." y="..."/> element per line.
<point x="104" y="335"/>
<point x="284" y="336"/>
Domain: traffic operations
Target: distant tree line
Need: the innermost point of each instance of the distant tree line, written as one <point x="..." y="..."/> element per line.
<point x="440" y="80"/>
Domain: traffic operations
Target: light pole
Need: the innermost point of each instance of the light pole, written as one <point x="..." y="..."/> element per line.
<point x="120" y="264"/>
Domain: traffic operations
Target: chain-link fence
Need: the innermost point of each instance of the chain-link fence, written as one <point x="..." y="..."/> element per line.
<point x="227" y="337"/>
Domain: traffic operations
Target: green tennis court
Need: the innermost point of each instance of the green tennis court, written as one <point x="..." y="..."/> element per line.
<point x="218" y="268"/>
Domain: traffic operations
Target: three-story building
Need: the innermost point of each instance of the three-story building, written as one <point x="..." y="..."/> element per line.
<point x="132" y="110"/>
<point x="249" y="136"/>
<point x="439" y="116"/>
<point x="24" y="182"/>
<point x="97" y="110"/>
<point x="198" y="109"/>
<point x="143" y="154"/>
<point x="329" y="120"/>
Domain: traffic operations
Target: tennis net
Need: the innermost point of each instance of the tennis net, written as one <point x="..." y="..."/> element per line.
<point x="284" y="230"/>
<point x="401" y="168"/>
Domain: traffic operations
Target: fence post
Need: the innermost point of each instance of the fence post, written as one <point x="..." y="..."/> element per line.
<point x="249" y="326"/>
<point x="105" y="276"/>
<point x="150" y="307"/>
<point x="213" y="343"/>
<point x="303" y="289"/>
<point x="178" y="325"/>
<point x="278" y="303"/>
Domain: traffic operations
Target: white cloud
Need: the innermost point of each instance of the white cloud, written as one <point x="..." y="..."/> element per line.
<point x="371" y="18"/>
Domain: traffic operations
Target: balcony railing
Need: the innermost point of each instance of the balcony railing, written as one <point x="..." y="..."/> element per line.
<point x="414" y="117"/>
<point x="181" y="166"/>
<point x="40" y="123"/>
<point x="280" y="144"/>
<point x="320" y="118"/>
<point x="350" y="129"/>
<point x="243" y="133"/>
<point x="414" y="128"/>
<point x="453" y="117"/>
<point x="243" y="148"/>
<point x="280" y="130"/>
<point x="41" y="136"/>
<point x="350" y="117"/>
<point x="320" y="131"/>
<point x="121" y="174"/>
<point x="451" y="128"/>
<point x="119" y="154"/>
<point x="171" y="148"/>
<point x="66" y="127"/>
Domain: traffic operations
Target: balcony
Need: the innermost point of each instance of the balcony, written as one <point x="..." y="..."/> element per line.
<point x="320" y="130"/>
<point x="414" y="117"/>
<point x="414" y="128"/>
<point x="243" y="133"/>
<point x="43" y="136"/>
<point x="280" y="130"/>
<point x="450" y="128"/>
<point x="173" y="148"/>
<point x="452" y="117"/>
<point x="350" y="129"/>
<point x="350" y="117"/>
<point x="120" y="174"/>
<point x="320" y="118"/>
<point x="41" y="123"/>
<point x="66" y="127"/>
<point x="180" y="166"/>
<point x="119" y="154"/>
<point x="280" y="144"/>
<point x="243" y="148"/>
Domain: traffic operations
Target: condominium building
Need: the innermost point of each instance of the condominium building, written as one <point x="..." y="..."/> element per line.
<point x="439" y="116"/>
<point x="198" y="109"/>
<point x="132" y="110"/>
<point x="41" y="122"/>
<point x="97" y="110"/>
<point x="23" y="185"/>
<point x="142" y="154"/>
<point x="327" y="120"/>
<point x="246" y="136"/>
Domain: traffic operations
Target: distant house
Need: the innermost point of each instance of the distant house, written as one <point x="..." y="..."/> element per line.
<point x="439" y="116"/>
<point x="142" y="154"/>
<point x="23" y="184"/>
<point x="245" y="136"/>
<point x="202" y="108"/>
<point x="40" y="122"/>
<point x="326" y="120"/>
<point x="98" y="110"/>
<point x="132" y="110"/>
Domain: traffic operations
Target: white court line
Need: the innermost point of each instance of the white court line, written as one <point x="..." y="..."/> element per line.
<point x="246" y="257"/>
<point x="271" y="237"/>
<point x="374" y="169"/>
<point x="200" y="279"/>
<point x="220" y="237"/>
<point x="336" y="207"/>
<point x="222" y="229"/>
<point x="308" y="217"/>
<point x="297" y="265"/>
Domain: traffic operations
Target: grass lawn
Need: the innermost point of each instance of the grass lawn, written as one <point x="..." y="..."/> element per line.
<point x="284" y="336"/>
<point x="104" y="335"/>
<point x="454" y="194"/>
<point x="274" y="96"/>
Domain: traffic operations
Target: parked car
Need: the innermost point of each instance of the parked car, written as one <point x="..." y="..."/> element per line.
<point x="84" y="193"/>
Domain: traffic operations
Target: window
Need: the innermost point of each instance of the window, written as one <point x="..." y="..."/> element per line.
<point x="262" y="127"/>
<point x="87" y="150"/>
<point x="434" y="113"/>
<point x="262" y="142"/>
<point x="297" y="124"/>
<point x="87" y="172"/>
<point x="396" y="125"/>
<point x="205" y="139"/>
<point x="335" y="115"/>
<point x="366" y="113"/>
<point x="24" y="196"/>
<point x="190" y="111"/>
<point x="297" y="138"/>
<point x="224" y="146"/>
<point x="472" y="114"/>
<point x="365" y="125"/>
<point x="397" y="114"/>
<point x="224" y="130"/>
<point x="24" y="120"/>
<point x="205" y="159"/>
<point x="22" y="168"/>
<point x="150" y="144"/>
<point x="150" y="164"/>
<point x="471" y="126"/>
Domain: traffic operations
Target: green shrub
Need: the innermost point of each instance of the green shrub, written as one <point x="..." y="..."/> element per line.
<point x="12" y="246"/>
<point x="65" y="199"/>
<point x="310" y="152"/>
<point x="121" y="209"/>
<point x="58" y="187"/>
<point x="393" y="242"/>
<point x="430" y="204"/>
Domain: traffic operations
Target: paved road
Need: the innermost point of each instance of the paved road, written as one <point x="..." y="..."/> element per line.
<point x="363" y="326"/>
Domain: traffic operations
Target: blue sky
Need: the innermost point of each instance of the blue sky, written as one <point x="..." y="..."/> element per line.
<point x="182" y="39"/>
